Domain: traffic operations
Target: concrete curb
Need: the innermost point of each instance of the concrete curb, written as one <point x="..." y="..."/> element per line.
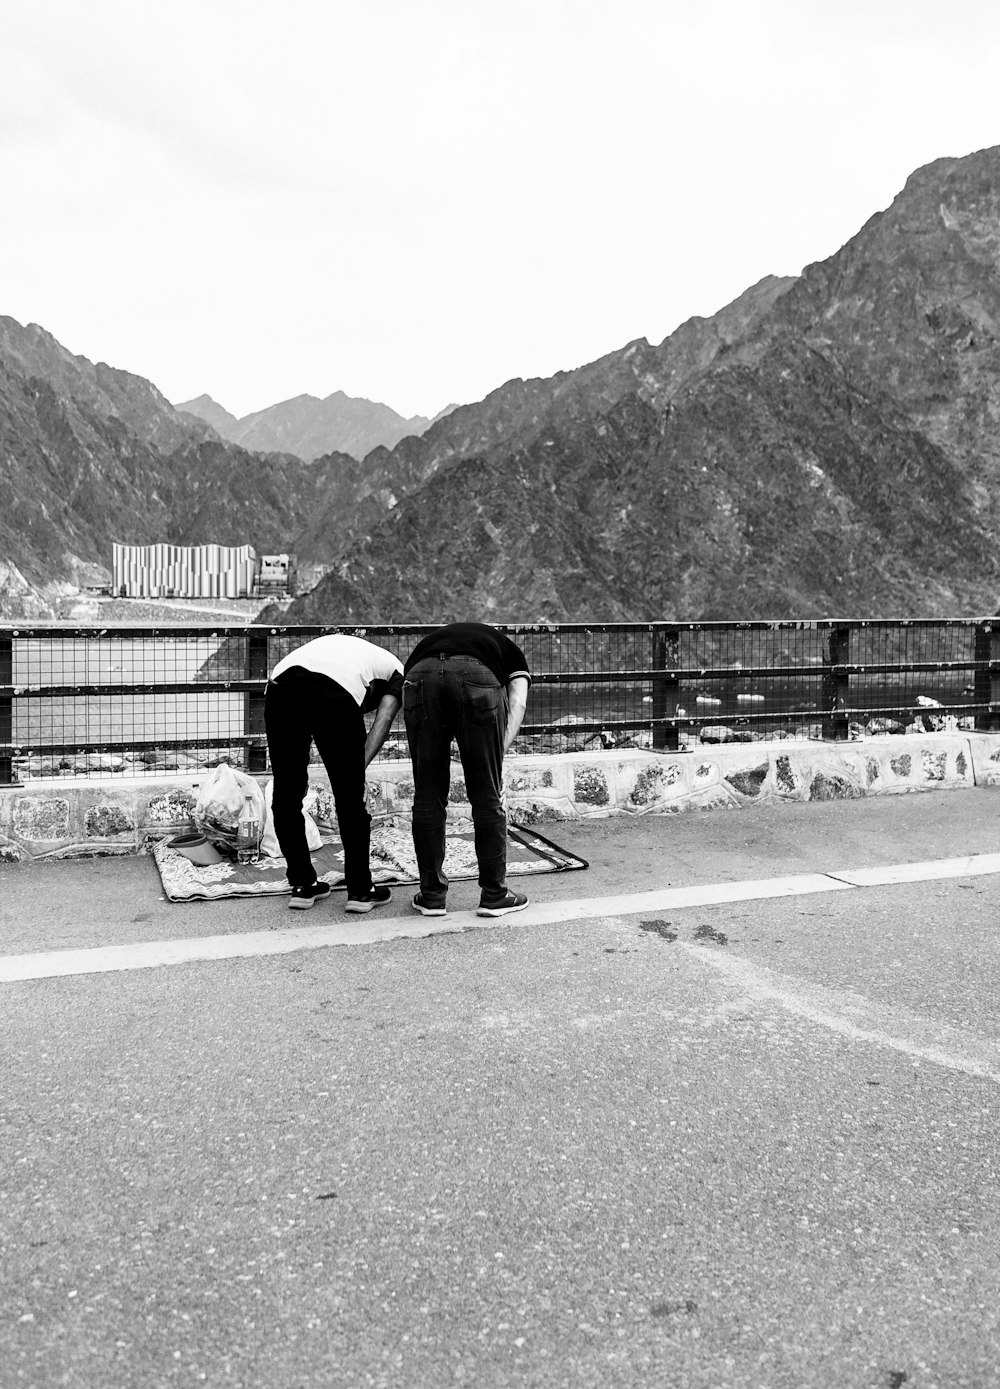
<point x="75" y="816"/>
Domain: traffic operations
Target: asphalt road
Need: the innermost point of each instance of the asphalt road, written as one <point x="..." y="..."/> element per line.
<point x="746" y="1143"/>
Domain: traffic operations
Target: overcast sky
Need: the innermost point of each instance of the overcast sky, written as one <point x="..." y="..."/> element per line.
<point x="416" y="200"/>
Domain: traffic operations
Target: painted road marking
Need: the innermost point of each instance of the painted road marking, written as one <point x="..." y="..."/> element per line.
<point x="152" y="954"/>
<point x="968" y="866"/>
<point x="858" y="1018"/>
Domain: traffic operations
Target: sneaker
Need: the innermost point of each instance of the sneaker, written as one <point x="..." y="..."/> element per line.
<point x="304" y="897"/>
<point x="375" y="897"/>
<point x="425" y="909"/>
<point x="513" y="902"/>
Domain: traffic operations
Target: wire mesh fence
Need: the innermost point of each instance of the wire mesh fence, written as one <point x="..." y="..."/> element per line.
<point x="85" y="701"/>
<point x="831" y="679"/>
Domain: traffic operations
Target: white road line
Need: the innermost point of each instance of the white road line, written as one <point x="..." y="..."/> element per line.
<point x="969" y="866"/>
<point x="859" y="1019"/>
<point x="152" y="954"/>
<point x="149" y="955"/>
<point x="674" y="898"/>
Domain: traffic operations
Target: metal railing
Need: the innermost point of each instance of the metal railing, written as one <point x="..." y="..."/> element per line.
<point x="101" y="701"/>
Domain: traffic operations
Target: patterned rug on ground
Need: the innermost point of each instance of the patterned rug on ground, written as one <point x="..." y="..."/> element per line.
<point x="392" y="861"/>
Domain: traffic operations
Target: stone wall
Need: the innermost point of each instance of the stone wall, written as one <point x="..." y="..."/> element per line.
<point x="62" y="817"/>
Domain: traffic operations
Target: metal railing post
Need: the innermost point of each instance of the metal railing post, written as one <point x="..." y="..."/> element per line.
<point x="986" y="682"/>
<point x="257" y="668"/>
<point x="6" y="710"/>
<point x="836" y="684"/>
<point x="665" y="643"/>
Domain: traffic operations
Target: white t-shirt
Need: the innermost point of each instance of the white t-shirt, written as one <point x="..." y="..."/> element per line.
<point x="351" y="661"/>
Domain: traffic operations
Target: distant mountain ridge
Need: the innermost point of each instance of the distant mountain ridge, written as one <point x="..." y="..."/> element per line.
<point x="309" y="427"/>
<point x="92" y="455"/>
<point x="826" y="445"/>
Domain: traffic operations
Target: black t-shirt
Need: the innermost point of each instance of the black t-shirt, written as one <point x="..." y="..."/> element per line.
<point x="497" y="652"/>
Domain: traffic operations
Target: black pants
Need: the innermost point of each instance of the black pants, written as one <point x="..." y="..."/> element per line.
<point x="300" y="708"/>
<point x="446" y="697"/>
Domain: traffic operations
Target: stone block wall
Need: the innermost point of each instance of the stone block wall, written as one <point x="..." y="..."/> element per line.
<point x="124" y="815"/>
<point x="734" y="777"/>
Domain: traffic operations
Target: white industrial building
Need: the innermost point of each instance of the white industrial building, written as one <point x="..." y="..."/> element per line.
<point x="184" y="571"/>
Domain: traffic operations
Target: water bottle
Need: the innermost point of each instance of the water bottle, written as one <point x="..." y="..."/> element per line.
<point x="248" y="833"/>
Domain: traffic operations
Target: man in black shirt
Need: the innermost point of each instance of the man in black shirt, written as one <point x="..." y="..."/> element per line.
<point x="468" y="682"/>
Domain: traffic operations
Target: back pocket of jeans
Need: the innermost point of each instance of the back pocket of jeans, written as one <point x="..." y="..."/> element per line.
<point x="413" y="702"/>
<point x="481" y="702"/>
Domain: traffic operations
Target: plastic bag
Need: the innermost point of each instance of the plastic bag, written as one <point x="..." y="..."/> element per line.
<point x="269" y="843"/>
<point x="220" y="801"/>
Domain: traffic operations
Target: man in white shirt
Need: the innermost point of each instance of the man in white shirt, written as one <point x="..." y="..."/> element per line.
<point x="320" y="693"/>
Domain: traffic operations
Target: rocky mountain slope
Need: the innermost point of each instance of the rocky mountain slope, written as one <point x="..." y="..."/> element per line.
<point x="824" y="446"/>
<point x="519" y="413"/>
<point x="91" y="455"/>
<point x="309" y="427"/>
<point x="911" y="305"/>
<point x="203" y="407"/>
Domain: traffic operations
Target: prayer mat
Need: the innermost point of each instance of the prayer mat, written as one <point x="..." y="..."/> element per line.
<point x="392" y="861"/>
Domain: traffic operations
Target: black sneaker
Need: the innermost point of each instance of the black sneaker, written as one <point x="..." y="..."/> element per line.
<point x="375" y="897"/>
<point x="513" y="902"/>
<point x="304" y="897"/>
<point x="425" y="908"/>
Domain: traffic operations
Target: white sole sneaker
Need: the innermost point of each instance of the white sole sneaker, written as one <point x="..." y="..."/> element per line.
<point x="304" y="904"/>
<point x="503" y="910"/>
<point x="428" y="911"/>
<point x="366" y="904"/>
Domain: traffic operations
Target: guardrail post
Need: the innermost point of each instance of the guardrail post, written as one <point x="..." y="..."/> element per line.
<point x="666" y="688"/>
<point x="987" y="680"/>
<point x="836" y="684"/>
<point x="6" y="710"/>
<point x="257" y="668"/>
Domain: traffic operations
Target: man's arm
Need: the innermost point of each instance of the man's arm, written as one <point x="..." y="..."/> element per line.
<point x="387" y="710"/>
<point x="517" y="702"/>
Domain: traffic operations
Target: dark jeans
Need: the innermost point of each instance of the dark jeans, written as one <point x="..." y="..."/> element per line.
<point x="446" y="697"/>
<point x="299" y="708"/>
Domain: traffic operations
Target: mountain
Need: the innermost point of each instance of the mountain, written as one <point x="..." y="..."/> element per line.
<point x="518" y="413"/>
<point x="914" y="300"/>
<point x="203" y="407"/>
<point x="92" y="455"/>
<point x="30" y="353"/>
<point x="825" y="445"/>
<point x="309" y="427"/>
